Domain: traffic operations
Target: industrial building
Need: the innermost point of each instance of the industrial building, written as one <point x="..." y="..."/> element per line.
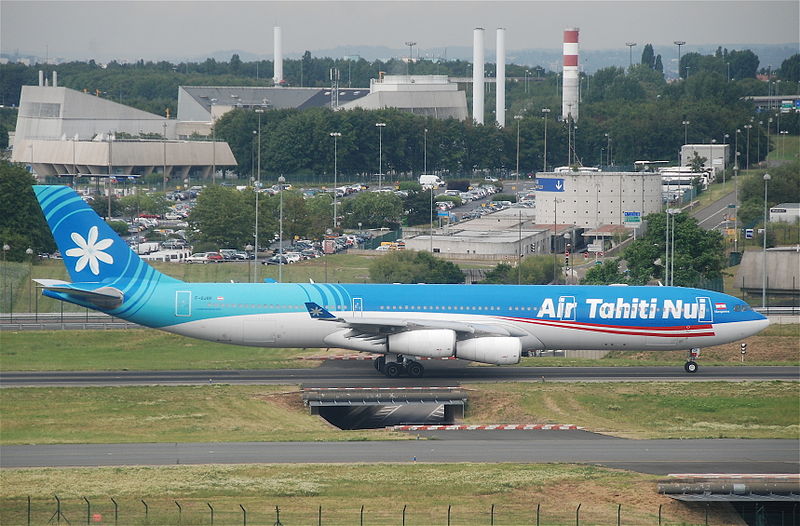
<point x="716" y="156"/>
<point x="62" y="131"/>
<point x="591" y="199"/>
<point x="429" y="95"/>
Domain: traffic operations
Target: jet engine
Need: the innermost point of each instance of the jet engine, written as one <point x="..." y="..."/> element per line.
<point x="498" y="350"/>
<point x="432" y="343"/>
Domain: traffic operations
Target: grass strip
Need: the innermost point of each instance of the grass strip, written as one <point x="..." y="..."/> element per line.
<point x="233" y="413"/>
<point x="646" y="410"/>
<point x="419" y="492"/>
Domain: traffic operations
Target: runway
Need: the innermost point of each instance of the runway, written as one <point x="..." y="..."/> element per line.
<point x="648" y="456"/>
<point x="363" y="374"/>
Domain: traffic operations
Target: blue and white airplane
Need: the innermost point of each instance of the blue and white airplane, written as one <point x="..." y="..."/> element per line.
<point x="491" y="324"/>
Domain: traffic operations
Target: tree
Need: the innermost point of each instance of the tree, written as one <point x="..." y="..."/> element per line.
<point x="606" y="274"/>
<point x="659" y="66"/>
<point x="373" y="210"/>
<point x="790" y="68"/>
<point x="407" y="266"/>
<point x="223" y="216"/>
<point x="699" y="254"/>
<point x="648" y="56"/>
<point x="697" y="163"/>
<point x="22" y="224"/>
<point x="534" y="270"/>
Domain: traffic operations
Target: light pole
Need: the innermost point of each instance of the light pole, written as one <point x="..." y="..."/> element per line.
<point x="164" y="178"/>
<point x="764" y="251"/>
<point x="282" y="180"/>
<point x="213" y="146"/>
<point x="518" y="118"/>
<point x="630" y="53"/>
<point x="527" y="73"/>
<point x="711" y="159"/>
<point x="783" y="134"/>
<point x="544" y="164"/>
<point x="679" y="43"/>
<point x="608" y="148"/>
<point x="425" y="152"/>
<point x="29" y="253"/>
<point x="724" y="156"/>
<point x="410" y="54"/>
<point x="249" y="248"/>
<point x="747" y="153"/>
<point x="686" y="131"/>
<point x="6" y="248"/>
<point x="258" y="111"/>
<point x="335" y="136"/>
<point x="380" y="126"/>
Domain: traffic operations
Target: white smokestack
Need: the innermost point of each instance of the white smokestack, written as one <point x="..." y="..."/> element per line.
<point x="500" y="106"/>
<point x="569" y="97"/>
<point x="477" y="75"/>
<point x="55" y="79"/>
<point x="41" y="78"/>
<point x="278" y="58"/>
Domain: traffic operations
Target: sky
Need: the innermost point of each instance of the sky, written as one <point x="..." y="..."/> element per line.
<point x="175" y="30"/>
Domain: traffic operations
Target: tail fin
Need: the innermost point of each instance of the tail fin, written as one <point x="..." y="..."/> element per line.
<point x="92" y="251"/>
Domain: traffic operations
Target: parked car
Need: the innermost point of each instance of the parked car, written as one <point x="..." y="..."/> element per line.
<point x="276" y="260"/>
<point x="205" y="257"/>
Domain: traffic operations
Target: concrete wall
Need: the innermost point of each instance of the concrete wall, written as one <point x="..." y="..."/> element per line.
<point x="592" y="199"/>
<point x="783" y="271"/>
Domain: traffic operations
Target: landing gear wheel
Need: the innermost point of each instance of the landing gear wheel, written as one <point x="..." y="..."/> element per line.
<point x="380" y="363"/>
<point x="691" y="367"/>
<point x="415" y="369"/>
<point x="393" y="369"/>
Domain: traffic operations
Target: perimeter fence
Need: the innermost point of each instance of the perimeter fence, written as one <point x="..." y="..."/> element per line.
<point x="252" y="512"/>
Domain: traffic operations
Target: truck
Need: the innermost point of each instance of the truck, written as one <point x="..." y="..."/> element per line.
<point x="430" y="181"/>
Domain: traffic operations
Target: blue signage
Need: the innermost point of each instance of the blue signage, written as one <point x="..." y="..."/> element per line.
<point x="550" y="185"/>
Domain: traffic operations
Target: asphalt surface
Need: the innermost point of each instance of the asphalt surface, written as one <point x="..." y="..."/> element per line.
<point x="648" y="456"/>
<point x="712" y="216"/>
<point x="362" y="374"/>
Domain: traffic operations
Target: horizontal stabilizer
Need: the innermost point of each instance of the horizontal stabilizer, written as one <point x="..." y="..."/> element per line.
<point x="104" y="297"/>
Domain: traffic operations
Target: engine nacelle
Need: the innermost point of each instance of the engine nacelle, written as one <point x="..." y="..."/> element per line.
<point x="432" y="343"/>
<point x="499" y="350"/>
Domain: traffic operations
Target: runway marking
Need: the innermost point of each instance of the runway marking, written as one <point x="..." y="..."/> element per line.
<point x="786" y="476"/>
<point x="489" y="427"/>
<point x="366" y="357"/>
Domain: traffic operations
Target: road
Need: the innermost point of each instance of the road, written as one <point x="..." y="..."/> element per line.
<point x="647" y="456"/>
<point x="712" y="216"/>
<point x="363" y="374"/>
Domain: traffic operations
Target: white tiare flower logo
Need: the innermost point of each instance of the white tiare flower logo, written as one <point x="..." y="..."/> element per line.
<point x="89" y="251"/>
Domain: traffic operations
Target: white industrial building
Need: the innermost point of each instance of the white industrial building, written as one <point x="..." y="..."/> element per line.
<point x="63" y="131"/>
<point x="592" y="198"/>
<point x="717" y="156"/>
<point x="429" y="95"/>
<point x="785" y="213"/>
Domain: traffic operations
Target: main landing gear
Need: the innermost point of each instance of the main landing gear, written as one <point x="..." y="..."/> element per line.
<point x="691" y="365"/>
<point x="398" y="366"/>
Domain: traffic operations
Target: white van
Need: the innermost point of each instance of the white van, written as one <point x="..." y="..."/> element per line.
<point x="430" y="181"/>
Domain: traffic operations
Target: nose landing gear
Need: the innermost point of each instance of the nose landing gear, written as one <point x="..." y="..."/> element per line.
<point x="691" y="365"/>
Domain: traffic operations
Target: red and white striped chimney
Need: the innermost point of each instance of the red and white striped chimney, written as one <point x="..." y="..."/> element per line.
<point x="570" y="79"/>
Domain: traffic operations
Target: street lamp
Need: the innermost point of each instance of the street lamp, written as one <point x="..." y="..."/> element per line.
<point x="248" y="248"/>
<point x="6" y="248"/>
<point x="380" y="126"/>
<point x="410" y="54"/>
<point x="164" y="178"/>
<point x="679" y="43"/>
<point x="747" y="153"/>
<point x="724" y="156"/>
<point x="259" y="111"/>
<point x="335" y="136"/>
<point x="29" y="253"/>
<point x="608" y="148"/>
<point x="764" y="251"/>
<point x="518" y="118"/>
<point x="630" y="53"/>
<point x="544" y="165"/>
<point x="281" y="180"/>
<point x="686" y="131"/>
<point x="527" y="73"/>
<point x="425" y="152"/>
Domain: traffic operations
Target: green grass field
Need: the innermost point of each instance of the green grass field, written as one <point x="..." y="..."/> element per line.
<point x="424" y="491"/>
<point x="234" y="413"/>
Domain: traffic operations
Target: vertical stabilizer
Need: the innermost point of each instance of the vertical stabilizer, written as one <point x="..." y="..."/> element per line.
<point x="92" y="251"/>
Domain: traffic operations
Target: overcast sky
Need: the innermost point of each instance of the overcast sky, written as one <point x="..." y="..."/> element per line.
<point x="178" y="29"/>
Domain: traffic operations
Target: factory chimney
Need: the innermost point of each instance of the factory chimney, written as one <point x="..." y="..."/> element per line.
<point x="477" y="75"/>
<point x="500" y="99"/>
<point x="570" y="83"/>
<point x="278" y="58"/>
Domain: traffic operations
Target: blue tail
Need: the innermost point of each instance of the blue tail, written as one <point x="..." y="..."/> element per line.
<point x="92" y="251"/>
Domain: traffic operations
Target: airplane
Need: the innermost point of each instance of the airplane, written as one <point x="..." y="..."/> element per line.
<point x="493" y="324"/>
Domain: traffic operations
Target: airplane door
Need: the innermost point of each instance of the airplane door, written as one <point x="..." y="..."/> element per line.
<point x="183" y="303"/>
<point x="567" y="308"/>
<point x="358" y="307"/>
<point x="705" y="311"/>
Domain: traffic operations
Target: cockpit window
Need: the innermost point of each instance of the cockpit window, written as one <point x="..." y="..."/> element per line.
<point x="737" y="308"/>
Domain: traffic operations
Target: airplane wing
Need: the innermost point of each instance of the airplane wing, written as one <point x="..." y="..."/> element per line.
<point x="364" y="326"/>
<point x="104" y="297"/>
